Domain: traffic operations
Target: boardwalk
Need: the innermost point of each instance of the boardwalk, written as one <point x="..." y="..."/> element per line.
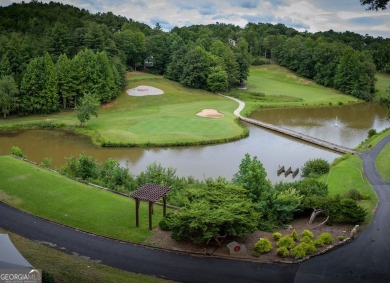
<point x="291" y="133"/>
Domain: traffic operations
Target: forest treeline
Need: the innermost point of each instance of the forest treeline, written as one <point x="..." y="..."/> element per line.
<point x="53" y="54"/>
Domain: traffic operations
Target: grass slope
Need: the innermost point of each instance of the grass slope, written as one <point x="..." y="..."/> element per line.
<point x="382" y="163"/>
<point x="55" y="197"/>
<point x="168" y="119"/>
<point x="71" y="268"/>
<point x="282" y="88"/>
<point x="349" y="169"/>
<point x="382" y="83"/>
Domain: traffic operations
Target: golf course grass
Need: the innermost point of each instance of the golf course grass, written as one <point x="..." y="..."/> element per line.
<point x="63" y="267"/>
<point x="52" y="196"/>
<point x="347" y="173"/>
<point x="275" y="86"/>
<point x="162" y="120"/>
<point x="382" y="163"/>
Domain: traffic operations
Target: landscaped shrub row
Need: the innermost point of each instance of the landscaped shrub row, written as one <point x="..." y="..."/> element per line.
<point x="292" y="245"/>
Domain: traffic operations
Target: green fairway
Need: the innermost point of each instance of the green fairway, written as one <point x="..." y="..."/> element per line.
<point x="348" y="174"/>
<point x="281" y="88"/>
<point x="168" y="119"/>
<point x="72" y="268"/>
<point x="382" y="163"/>
<point x="55" y="197"/>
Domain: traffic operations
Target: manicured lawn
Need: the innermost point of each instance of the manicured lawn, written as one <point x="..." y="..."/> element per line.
<point x="70" y="268"/>
<point x="383" y="163"/>
<point x="383" y="82"/>
<point x="283" y="88"/>
<point x="348" y="174"/>
<point x="167" y="119"/>
<point x="55" y="197"/>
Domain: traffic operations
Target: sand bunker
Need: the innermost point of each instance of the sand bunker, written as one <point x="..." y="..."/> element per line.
<point x="144" y="90"/>
<point x="210" y="113"/>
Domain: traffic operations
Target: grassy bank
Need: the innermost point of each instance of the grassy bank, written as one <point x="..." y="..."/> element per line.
<point x="168" y="119"/>
<point x="373" y="141"/>
<point x="71" y="268"/>
<point x="382" y="163"/>
<point x="55" y="197"/>
<point x="275" y="86"/>
<point x="347" y="173"/>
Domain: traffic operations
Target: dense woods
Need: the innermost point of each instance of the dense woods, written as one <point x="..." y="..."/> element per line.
<point x="51" y="55"/>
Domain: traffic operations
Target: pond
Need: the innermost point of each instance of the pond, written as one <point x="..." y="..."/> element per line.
<point x="273" y="150"/>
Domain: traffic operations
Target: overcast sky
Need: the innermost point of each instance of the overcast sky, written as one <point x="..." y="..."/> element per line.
<point x="310" y="15"/>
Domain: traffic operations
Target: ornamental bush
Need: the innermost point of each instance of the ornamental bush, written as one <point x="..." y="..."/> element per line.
<point x="286" y="241"/>
<point x="315" y="167"/>
<point x="341" y="238"/>
<point x="263" y="245"/>
<point x="299" y="251"/>
<point x="294" y="235"/>
<point x="318" y="243"/>
<point x="282" y="252"/>
<point x="306" y="239"/>
<point x="307" y="233"/>
<point x="276" y="236"/>
<point x="326" y="238"/>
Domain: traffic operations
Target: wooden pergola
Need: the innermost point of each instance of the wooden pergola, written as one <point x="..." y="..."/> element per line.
<point x="150" y="193"/>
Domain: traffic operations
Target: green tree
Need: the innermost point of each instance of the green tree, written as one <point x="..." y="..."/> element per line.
<point x="214" y="210"/>
<point x="384" y="99"/>
<point x="89" y="105"/>
<point x="253" y="178"/>
<point x="66" y="84"/>
<point x="8" y="95"/>
<point x="315" y="167"/>
<point x="217" y="79"/>
<point x="375" y="4"/>
<point x="39" y="87"/>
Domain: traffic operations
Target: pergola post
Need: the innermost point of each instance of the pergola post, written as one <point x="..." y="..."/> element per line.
<point x="165" y="206"/>
<point x="137" y="201"/>
<point x="150" y="215"/>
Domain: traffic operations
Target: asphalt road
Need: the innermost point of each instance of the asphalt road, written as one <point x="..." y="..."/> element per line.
<point x="366" y="259"/>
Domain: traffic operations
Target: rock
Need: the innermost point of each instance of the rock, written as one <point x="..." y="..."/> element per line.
<point x="236" y="248"/>
<point x="354" y="231"/>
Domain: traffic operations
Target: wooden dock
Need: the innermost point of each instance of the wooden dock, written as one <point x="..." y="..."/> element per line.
<point x="291" y="133"/>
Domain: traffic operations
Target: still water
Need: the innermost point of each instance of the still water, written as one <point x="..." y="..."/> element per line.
<point x="223" y="159"/>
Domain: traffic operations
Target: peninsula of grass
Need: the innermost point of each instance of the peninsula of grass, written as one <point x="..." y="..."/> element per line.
<point x="373" y="141"/>
<point x="382" y="163"/>
<point x="349" y="169"/>
<point x="52" y="196"/>
<point x="72" y="268"/>
<point x="275" y="86"/>
<point x="161" y="120"/>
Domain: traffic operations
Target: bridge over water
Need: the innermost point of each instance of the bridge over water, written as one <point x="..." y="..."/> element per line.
<point x="290" y="133"/>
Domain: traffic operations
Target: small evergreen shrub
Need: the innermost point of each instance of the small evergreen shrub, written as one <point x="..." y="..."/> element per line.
<point x="299" y="251"/>
<point x="263" y="245"/>
<point x="282" y="252"/>
<point x="307" y="233"/>
<point x="306" y="239"/>
<point x="341" y="238"/>
<point x="310" y="248"/>
<point x="326" y="238"/>
<point x="294" y="235"/>
<point x="355" y="195"/>
<point x="276" y="236"/>
<point x="315" y="167"/>
<point x="286" y="241"/>
<point x="318" y="243"/>
<point x="371" y="133"/>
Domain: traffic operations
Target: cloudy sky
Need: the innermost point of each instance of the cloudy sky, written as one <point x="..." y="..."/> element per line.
<point x="310" y="15"/>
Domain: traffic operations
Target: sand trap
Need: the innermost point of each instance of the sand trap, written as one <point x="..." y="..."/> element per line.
<point x="210" y="113"/>
<point x="144" y="90"/>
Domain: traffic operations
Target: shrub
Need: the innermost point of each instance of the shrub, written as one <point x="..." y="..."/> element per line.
<point x="17" y="151"/>
<point x="294" y="235"/>
<point x="316" y="167"/>
<point x="326" y="238"/>
<point x="341" y="238"/>
<point x="46" y="162"/>
<point x="166" y="223"/>
<point x="286" y="241"/>
<point x="355" y="195"/>
<point x="282" y="252"/>
<point x="318" y="243"/>
<point x="263" y="245"/>
<point x="276" y="236"/>
<point x="307" y="233"/>
<point x="371" y="132"/>
<point x="299" y="251"/>
<point x="306" y="239"/>
<point x="310" y="248"/>
<point x="346" y="211"/>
